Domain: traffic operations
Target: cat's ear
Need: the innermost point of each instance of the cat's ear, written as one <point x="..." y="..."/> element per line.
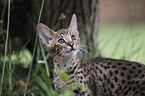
<point x="45" y="33"/>
<point x="73" y="24"/>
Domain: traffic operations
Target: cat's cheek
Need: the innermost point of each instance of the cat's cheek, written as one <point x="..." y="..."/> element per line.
<point x="68" y="48"/>
<point x="75" y="46"/>
<point x="57" y="48"/>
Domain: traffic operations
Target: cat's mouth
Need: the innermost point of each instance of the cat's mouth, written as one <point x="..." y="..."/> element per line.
<point x="71" y="50"/>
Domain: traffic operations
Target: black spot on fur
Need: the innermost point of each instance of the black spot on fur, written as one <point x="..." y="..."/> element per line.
<point x="108" y="81"/>
<point x="125" y="87"/>
<point x="105" y="90"/>
<point x="76" y="91"/>
<point x="110" y="72"/>
<point x="134" y="88"/>
<point x="100" y="71"/>
<point x="140" y="71"/>
<point x="110" y="94"/>
<point x="129" y="88"/>
<point x="123" y="81"/>
<point x="84" y="70"/>
<point x="100" y="79"/>
<point x="105" y="77"/>
<point x="106" y="67"/>
<point x="137" y="82"/>
<point x="129" y="82"/>
<point x="138" y="86"/>
<point x="97" y="68"/>
<point x="122" y="74"/>
<point x="116" y="91"/>
<point x="116" y="79"/>
<point x="116" y="72"/>
<point x="135" y="75"/>
<point x="129" y="64"/>
<point x="124" y="68"/>
<point x="133" y="67"/>
<point x="109" y="63"/>
<point x="139" y="65"/>
<point x="125" y="93"/>
<point x="112" y="85"/>
<point x="142" y="88"/>
<point x="128" y="77"/>
<point x="143" y="82"/>
<point x="113" y="66"/>
<point x="135" y="92"/>
<point x="142" y="75"/>
<point x="119" y="64"/>
<point x="120" y="87"/>
<point x="132" y="82"/>
<point x="142" y="94"/>
<point x="131" y="71"/>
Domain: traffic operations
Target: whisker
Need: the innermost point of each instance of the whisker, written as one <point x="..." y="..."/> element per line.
<point x="81" y="53"/>
<point x="85" y="47"/>
<point x="84" y="50"/>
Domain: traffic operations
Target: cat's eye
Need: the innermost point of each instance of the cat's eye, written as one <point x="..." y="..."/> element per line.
<point x="61" y="41"/>
<point x="73" y="37"/>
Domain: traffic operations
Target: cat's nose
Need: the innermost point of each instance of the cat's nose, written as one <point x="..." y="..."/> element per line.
<point x="70" y="44"/>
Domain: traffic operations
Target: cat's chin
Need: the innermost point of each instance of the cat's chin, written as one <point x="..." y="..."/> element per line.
<point x="71" y="53"/>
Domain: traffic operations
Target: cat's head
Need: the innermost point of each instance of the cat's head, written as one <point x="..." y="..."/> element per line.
<point x="64" y="42"/>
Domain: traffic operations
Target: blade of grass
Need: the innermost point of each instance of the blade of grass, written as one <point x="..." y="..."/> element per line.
<point x="44" y="88"/>
<point x="41" y="43"/>
<point x="33" y="50"/>
<point x="47" y="69"/>
<point x="6" y="44"/>
<point x="10" y="73"/>
<point x="1" y="26"/>
<point x="2" y="16"/>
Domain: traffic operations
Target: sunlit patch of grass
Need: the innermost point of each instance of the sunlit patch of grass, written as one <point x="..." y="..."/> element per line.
<point x="123" y="41"/>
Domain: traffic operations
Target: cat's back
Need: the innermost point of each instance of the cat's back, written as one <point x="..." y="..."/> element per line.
<point x="112" y="64"/>
<point x="115" y="76"/>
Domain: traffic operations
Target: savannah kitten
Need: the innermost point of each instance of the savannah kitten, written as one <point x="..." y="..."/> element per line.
<point x="104" y="76"/>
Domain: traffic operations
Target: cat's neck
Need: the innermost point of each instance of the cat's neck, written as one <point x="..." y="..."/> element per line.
<point x="66" y="63"/>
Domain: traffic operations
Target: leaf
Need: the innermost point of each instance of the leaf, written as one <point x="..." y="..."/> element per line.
<point x="45" y="77"/>
<point x="41" y="94"/>
<point x="42" y="86"/>
<point x="67" y="93"/>
<point x="25" y="58"/>
<point x="63" y="76"/>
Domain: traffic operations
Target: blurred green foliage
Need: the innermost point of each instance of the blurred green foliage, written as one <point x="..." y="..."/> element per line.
<point x="123" y="41"/>
<point x="24" y="58"/>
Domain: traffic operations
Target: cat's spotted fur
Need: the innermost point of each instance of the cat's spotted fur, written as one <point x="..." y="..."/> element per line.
<point x="104" y="76"/>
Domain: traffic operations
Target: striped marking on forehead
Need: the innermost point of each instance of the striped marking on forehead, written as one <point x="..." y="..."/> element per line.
<point x="63" y="33"/>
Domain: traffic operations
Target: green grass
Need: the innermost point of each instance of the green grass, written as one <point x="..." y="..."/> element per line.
<point x="123" y="41"/>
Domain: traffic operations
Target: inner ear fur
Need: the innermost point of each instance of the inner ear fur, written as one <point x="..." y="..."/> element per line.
<point x="45" y="33"/>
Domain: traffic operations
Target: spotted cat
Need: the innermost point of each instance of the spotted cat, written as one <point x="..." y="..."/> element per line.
<point x="103" y="76"/>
